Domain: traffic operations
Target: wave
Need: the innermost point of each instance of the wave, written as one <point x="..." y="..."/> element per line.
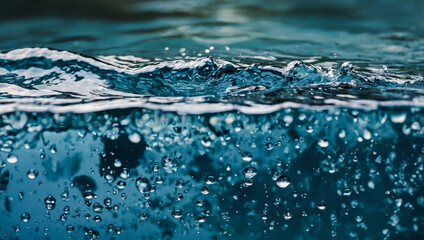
<point x="41" y="79"/>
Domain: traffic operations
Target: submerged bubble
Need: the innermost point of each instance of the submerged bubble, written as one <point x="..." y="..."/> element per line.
<point x="322" y="206"/>
<point x="25" y="217"/>
<point x="12" y="158"/>
<point x="50" y="202"/>
<point x="169" y="164"/>
<point x="323" y="143"/>
<point x="32" y="174"/>
<point x="143" y="185"/>
<point x="246" y="156"/>
<point x="177" y="213"/>
<point x="210" y="180"/>
<point x="287" y="214"/>
<point x="283" y="181"/>
<point x="250" y="172"/>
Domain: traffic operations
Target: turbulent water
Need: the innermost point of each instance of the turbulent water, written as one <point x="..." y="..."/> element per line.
<point x="212" y="120"/>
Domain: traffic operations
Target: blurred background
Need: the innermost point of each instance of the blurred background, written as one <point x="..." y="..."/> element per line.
<point x="368" y="33"/>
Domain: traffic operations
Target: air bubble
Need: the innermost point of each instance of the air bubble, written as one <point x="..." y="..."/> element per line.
<point x="143" y="185"/>
<point x="50" y="202"/>
<point x="25" y="217"/>
<point x="323" y="143"/>
<point x="283" y="181"/>
<point x="287" y="214"/>
<point x="250" y="172"/>
<point x="246" y="156"/>
<point x="177" y="213"/>
<point x="322" y="206"/>
<point x="12" y="158"/>
<point x="32" y="174"/>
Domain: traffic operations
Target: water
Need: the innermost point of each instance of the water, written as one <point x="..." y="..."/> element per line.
<point x="212" y="120"/>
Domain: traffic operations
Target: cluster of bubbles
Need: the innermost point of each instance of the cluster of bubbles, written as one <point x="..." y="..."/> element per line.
<point x="340" y="173"/>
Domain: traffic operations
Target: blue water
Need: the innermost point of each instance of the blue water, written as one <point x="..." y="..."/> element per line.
<point x="212" y="119"/>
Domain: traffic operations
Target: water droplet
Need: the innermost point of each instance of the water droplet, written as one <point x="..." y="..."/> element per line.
<point x="50" y="202"/>
<point x="322" y="206"/>
<point x="250" y="172"/>
<point x="323" y="143"/>
<point x="169" y="164"/>
<point x="179" y="183"/>
<point x="121" y="184"/>
<point x="97" y="218"/>
<point x="177" y="213"/>
<point x="246" y="156"/>
<point x="12" y="158"/>
<point x="347" y="192"/>
<point x="309" y="129"/>
<point x="287" y="214"/>
<point x="97" y="207"/>
<point x="346" y="68"/>
<point x="283" y="181"/>
<point x="117" y="163"/>
<point x="143" y="185"/>
<point x="32" y="174"/>
<point x="25" y="217"/>
<point x="70" y="228"/>
<point x="398" y="118"/>
<point x="210" y="180"/>
<point x="204" y="190"/>
<point x="159" y="180"/>
<point x="201" y="219"/>
<point x="144" y="216"/>
<point x="342" y="133"/>
<point x="134" y="138"/>
<point x="269" y="146"/>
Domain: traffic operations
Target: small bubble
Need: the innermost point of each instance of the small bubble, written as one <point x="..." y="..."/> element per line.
<point x="342" y="133"/>
<point x="398" y="118"/>
<point x="25" y="217"/>
<point x="248" y="183"/>
<point x="204" y="190"/>
<point x="117" y="163"/>
<point x="246" y="156"/>
<point x="287" y="214"/>
<point x="347" y="192"/>
<point x="32" y="174"/>
<point x="200" y="202"/>
<point x="210" y="180"/>
<point x="179" y="183"/>
<point x="50" y="202"/>
<point x="322" y="206"/>
<point x="97" y="218"/>
<point x="177" y="213"/>
<point x="70" y="228"/>
<point x="159" y="180"/>
<point x="12" y="158"/>
<point x="134" y="138"/>
<point x="121" y="184"/>
<point x="323" y="143"/>
<point x="283" y="181"/>
<point x="180" y="197"/>
<point x="201" y="219"/>
<point x="269" y="146"/>
<point x="250" y="172"/>
<point x="143" y="185"/>
<point x="144" y="216"/>
<point x="97" y="207"/>
<point x="309" y="129"/>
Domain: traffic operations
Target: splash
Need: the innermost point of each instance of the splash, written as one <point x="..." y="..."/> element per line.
<point x="39" y="79"/>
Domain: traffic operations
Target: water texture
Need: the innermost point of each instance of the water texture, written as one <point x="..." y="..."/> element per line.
<point x="211" y="119"/>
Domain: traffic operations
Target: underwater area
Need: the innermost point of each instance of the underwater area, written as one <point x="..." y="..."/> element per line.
<point x="214" y="119"/>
